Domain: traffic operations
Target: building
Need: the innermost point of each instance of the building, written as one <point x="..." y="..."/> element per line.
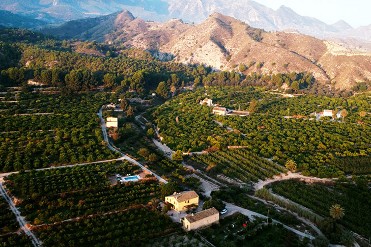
<point x="327" y="113"/>
<point x="112" y="122"/>
<point x="222" y="111"/>
<point x="208" y="102"/>
<point x="181" y="201"/>
<point x="201" y="219"/>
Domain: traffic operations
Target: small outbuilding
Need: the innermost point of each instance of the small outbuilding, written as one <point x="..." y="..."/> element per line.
<point x="201" y="219"/>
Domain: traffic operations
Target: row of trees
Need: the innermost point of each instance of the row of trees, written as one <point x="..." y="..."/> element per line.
<point x="354" y="200"/>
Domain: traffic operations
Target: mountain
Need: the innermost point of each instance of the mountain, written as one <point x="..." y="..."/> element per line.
<point x="224" y="43"/>
<point x="192" y="11"/>
<point x="8" y="19"/>
<point x="65" y="10"/>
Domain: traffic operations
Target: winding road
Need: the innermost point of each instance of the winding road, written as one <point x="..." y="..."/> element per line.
<point x="124" y="156"/>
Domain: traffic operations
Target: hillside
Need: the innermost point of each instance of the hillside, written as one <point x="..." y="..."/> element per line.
<point x="8" y="19"/>
<point x="193" y="11"/>
<point x="225" y="43"/>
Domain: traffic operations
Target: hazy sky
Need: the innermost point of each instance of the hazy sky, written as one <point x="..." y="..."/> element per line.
<point x="355" y="12"/>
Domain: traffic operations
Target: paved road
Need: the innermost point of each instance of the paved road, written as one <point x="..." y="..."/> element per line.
<point x="209" y="186"/>
<point x="124" y="156"/>
<point x="20" y="219"/>
<point x="252" y="215"/>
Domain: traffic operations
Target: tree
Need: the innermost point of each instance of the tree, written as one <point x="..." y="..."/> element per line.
<point x="109" y="80"/>
<point x="253" y="105"/>
<point x="336" y="212"/>
<point x="216" y="203"/>
<point x="143" y="152"/>
<point x="291" y="165"/>
<point x="343" y="113"/>
<point x="130" y="112"/>
<point x="152" y="157"/>
<point x="162" y="90"/>
<point x="169" y="189"/>
<point x="124" y="103"/>
<point x="363" y="114"/>
<point x="178" y="155"/>
<point x="150" y="132"/>
<point x="295" y="86"/>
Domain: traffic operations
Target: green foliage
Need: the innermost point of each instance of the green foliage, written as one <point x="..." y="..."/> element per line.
<point x="240" y="164"/>
<point x="133" y="227"/>
<point x="8" y="222"/>
<point x="69" y="133"/>
<point x="319" y="198"/>
<point x="54" y="195"/>
<point x="15" y="239"/>
<point x="216" y="203"/>
<point x="177" y="155"/>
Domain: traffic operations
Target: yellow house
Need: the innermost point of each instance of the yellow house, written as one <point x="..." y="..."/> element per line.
<point x="112" y="122"/>
<point x="201" y="219"/>
<point x="182" y="200"/>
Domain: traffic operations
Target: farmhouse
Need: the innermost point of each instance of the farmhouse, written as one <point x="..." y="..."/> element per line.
<point x="222" y="111"/>
<point x="181" y="201"/>
<point x="201" y="219"/>
<point x="112" y="122"/>
<point x="208" y="102"/>
<point x="327" y="113"/>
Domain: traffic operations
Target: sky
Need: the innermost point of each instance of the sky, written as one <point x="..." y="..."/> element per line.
<point x="354" y="12"/>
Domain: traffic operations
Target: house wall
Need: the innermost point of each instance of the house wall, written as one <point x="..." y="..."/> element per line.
<point x="201" y="223"/>
<point x="182" y="205"/>
<point x="221" y="113"/>
<point x="112" y="125"/>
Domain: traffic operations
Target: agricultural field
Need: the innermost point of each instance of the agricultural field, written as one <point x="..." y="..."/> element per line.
<point x="8" y="222"/>
<point x="177" y="240"/>
<point x="51" y="196"/>
<point x="278" y="128"/>
<point x="355" y="199"/>
<point x="9" y="234"/>
<point x="48" y="130"/>
<point x="239" y="164"/>
<point x="15" y="239"/>
<point x="134" y="226"/>
<point x="237" y="230"/>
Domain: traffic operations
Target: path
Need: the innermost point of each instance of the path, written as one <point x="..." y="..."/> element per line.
<point x="3" y="175"/>
<point x="283" y="176"/>
<point x="251" y="214"/>
<point x="20" y="219"/>
<point x="116" y="150"/>
<point x="209" y="186"/>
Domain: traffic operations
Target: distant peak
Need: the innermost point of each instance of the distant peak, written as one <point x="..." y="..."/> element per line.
<point x="342" y="25"/>
<point x="285" y="9"/>
<point x="124" y="17"/>
<point x="127" y="14"/>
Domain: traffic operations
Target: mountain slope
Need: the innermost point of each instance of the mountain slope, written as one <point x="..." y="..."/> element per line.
<point x="251" y="12"/>
<point x="224" y="43"/>
<point x="8" y="19"/>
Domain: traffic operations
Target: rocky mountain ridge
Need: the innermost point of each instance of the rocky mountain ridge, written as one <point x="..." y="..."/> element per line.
<point x="192" y="11"/>
<point x="225" y="43"/>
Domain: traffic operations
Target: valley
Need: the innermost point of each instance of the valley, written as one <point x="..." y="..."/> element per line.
<point x="119" y="131"/>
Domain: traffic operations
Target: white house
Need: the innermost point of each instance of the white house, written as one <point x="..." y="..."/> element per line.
<point x="327" y="113"/>
<point x="207" y="101"/>
<point x="112" y="122"/>
<point x="222" y="111"/>
<point x="201" y="219"/>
